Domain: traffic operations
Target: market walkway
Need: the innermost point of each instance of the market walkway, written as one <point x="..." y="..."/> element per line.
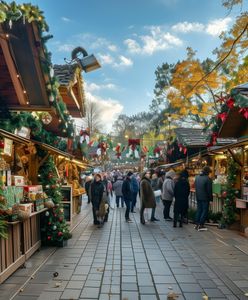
<point x="132" y="261"/>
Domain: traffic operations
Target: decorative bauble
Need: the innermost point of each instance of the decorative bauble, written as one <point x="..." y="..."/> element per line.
<point x="55" y="215"/>
<point x="51" y="72"/>
<point x="54" y="227"/>
<point x="1" y="144"/>
<point x="51" y="98"/>
<point x="60" y="219"/>
<point x="50" y="175"/>
<point x="224" y="194"/>
<point x="60" y="233"/>
<point x="49" y="223"/>
<point x="47" y="213"/>
<point x="49" y="238"/>
<point x="46" y="118"/>
<point x="61" y="210"/>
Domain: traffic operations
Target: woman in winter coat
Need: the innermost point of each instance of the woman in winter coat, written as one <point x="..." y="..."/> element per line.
<point x="147" y="198"/>
<point x="117" y="187"/>
<point x="168" y="193"/>
<point x="181" y="193"/>
<point x="155" y="187"/>
<point x="96" y="189"/>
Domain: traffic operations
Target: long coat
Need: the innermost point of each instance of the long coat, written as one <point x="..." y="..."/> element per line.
<point x="96" y="189"/>
<point x="147" y="197"/>
<point x="181" y="193"/>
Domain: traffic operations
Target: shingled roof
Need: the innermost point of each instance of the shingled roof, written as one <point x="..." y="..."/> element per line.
<point x="65" y="73"/>
<point x="192" y="137"/>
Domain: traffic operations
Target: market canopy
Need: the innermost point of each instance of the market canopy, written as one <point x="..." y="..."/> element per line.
<point x="22" y="77"/>
<point x="192" y="137"/>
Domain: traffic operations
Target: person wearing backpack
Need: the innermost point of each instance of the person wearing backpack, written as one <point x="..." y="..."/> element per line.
<point x="135" y="189"/>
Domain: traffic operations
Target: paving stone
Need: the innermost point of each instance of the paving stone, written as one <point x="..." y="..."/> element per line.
<point x="92" y="283"/>
<point x="129" y="287"/>
<point x="147" y="290"/>
<point x="190" y="287"/>
<point x="70" y="294"/>
<point x="207" y="284"/>
<point x="130" y="295"/>
<point x="193" y="296"/>
<point x="185" y="278"/>
<point x="148" y="297"/>
<point x="214" y="293"/>
<point x="49" y="295"/>
<point x="75" y="285"/>
<point x="89" y="292"/>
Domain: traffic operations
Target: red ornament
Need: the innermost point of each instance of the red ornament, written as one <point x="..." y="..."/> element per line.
<point x="244" y="112"/>
<point x="1" y="144"/>
<point x="55" y="215"/>
<point x="60" y="219"/>
<point x="50" y="175"/>
<point x="224" y="194"/>
<point x="60" y="233"/>
<point x="49" y="223"/>
<point x="49" y="238"/>
<point x="230" y="102"/>
<point x="222" y="116"/>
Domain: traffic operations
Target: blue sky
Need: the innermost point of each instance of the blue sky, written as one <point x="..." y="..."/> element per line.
<point x="131" y="38"/>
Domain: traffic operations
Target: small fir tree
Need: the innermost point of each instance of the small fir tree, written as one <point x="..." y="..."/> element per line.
<point x="55" y="228"/>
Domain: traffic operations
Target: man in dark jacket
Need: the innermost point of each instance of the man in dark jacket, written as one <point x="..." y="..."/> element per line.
<point x="127" y="195"/>
<point x="204" y="195"/>
<point x="135" y="189"/>
<point x="96" y="189"/>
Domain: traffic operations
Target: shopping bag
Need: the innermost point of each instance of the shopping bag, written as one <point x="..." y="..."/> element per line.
<point x="157" y="193"/>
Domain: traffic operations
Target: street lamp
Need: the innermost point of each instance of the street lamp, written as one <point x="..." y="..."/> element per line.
<point x="87" y="63"/>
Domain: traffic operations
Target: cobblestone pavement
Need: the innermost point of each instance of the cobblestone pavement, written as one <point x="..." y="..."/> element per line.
<point x="133" y="261"/>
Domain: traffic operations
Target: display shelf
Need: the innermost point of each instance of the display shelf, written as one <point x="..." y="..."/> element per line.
<point x="66" y="191"/>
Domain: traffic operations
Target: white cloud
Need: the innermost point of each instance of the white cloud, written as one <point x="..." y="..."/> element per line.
<point x="91" y="87"/>
<point x="186" y="27"/>
<point x="112" y="48"/>
<point x="105" y="59"/>
<point x="65" y="47"/>
<point x="124" y="62"/>
<point x="65" y="19"/>
<point x="110" y="109"/>
<point x="216" y="27"/>
<point x="157" y="40"/>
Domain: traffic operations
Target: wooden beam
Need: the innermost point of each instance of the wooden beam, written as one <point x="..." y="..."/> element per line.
<point x="30" y="108"/>
<point x="13" y="72"/>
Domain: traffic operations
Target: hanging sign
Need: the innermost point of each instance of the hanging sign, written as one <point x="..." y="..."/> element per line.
<point x="7" y="150"/>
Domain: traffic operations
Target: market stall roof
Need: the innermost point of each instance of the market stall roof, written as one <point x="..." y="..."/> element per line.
<point x="23" y="82"/>
<point x="167" y="166"/>
<point x="192" y="137"/>
<point x="236" y="125"/>
<point x="239" y="143"/>
<point x="71" y="88"/>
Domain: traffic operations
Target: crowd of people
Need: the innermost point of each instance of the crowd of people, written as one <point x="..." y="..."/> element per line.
<point x="150" y="188"/>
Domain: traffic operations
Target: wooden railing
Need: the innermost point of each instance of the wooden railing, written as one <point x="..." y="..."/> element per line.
<point x="23" y="240"/>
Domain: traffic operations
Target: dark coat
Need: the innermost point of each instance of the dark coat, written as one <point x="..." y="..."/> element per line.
<point x="181" y="193"/>
<point x="127" y="189"/>
<point x="203" y="188"/>
<point x="147" y="197"/>
<point x="96" y="190"/>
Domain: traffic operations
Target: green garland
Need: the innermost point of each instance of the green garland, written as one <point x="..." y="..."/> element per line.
<point x="13" y="12"/>
<point x="230" y="194"/>
<point x="55" y="228"/>
<point x="38" y="133"/>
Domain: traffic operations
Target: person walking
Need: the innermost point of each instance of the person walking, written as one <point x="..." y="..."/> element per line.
<point x="96" y="189"/>
<point x="181" y="193"/>
<point x="87" y="185"/>
<point x="127" y="195"/>
<point x="117" y="187"/>
<point x="147" y="198"/>
<point x="204" y="195"/>
<point x="155" y="187"/>
<point x="135" y="189"/>
<point x="168" y="193"/>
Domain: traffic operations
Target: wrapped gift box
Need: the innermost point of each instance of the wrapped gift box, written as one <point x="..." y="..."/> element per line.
<point x="33" y="188"/>
<point x="18" y="180"/>
<point x="26" y="207"/>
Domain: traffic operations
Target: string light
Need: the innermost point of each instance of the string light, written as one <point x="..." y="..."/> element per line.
<point x="17" y="75"/>
<point x="24" y="92"/>
<point x="7" y="36"/>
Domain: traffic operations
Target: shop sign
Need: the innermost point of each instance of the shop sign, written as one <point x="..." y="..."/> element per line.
<point x="7" y="150"/>
<point x="23" y="132"/>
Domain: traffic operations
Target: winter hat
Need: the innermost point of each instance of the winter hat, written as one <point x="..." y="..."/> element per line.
<point x="184" y="174"/>
<point x="206" y="170"/>
<point x="170" y="174"/>
<point x="129" y="173"/>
